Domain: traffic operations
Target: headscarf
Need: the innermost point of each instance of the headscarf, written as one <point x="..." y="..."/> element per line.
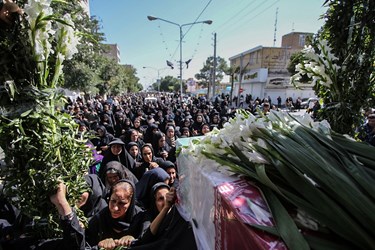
<point x="124" y="158"/>
<point x="149" y="179"/>
<point x="130" y="145"/>
<point x="148" y="145"/>
<point x="153" y="211"/>
<point x="155" y="141"/>
<point x="123" y="172"/>
<point x="95" y="201"/>
<point x="166" y="165"/>
<point x="147" y="137"/>
<point x="123" y="224"/>
<point x="105" y="139"/>
<point x="137" y="158"/>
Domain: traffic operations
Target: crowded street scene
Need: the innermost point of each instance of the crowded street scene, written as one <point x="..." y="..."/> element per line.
<point x="116" y="135"/>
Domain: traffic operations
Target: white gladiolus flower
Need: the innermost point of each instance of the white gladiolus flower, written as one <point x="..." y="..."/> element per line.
<point x="298" y="67"/>
<point x="320" y="67"/>
<point x="241" y="134"/>
<point x="295" y="77"/>
<point x="39" y="50"/>
<point x="66" y="37"/>
<point x="262" y="143"/>
<point x="215" y="139"/>
<point x="256" y="157"/>
<point x="306" y="120"/>
<point x="34" y="8"/>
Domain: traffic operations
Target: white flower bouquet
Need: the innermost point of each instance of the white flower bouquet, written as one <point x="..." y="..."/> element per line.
<point x="318" y="184"/>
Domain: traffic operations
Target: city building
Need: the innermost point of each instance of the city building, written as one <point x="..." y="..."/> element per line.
<point x="264" y="70"/>
<point x="113" y="52"/>
<point x="85" y="4"/>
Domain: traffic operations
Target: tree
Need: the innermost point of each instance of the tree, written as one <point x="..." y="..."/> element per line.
<point x="80" y="77"/>
<point x="205" y="73"/>
<point x="354" y="47"/>
<point x="91" y="71"/>
<point x="232" y="71"/>
<point x="341" y="62"/>
<point x="125" y="81"/>
<point x="81" y="72"/>
<point x="168" y="84"/>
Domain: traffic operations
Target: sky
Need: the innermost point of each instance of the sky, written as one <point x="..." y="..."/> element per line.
<point x="239" y="25"/>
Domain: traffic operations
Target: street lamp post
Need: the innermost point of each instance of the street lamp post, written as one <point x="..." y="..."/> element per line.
<point x="157" y="70"/>
<point x="152" y="18"/>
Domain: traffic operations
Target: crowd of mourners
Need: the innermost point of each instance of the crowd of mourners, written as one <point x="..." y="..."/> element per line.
<point x="133" y="178"/>
<point x="134" y="175"/>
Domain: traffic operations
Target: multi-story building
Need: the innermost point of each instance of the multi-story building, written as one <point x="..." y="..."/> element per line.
<point x="86" y="6"/>
<point x="113" y="52"/>
<point x="264" y="70"/>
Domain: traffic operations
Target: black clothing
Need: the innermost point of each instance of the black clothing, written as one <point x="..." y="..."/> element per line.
<point x="123" y="173"/>
<point x="103" y="226"/>
<point x="95" y="201"/>
<point x="103" y="140"/>
<point x="147" y="136"/>
<point x="124" y="158"/>
<point x="173" y="233"/>
<point x="73" y="238"/>
<point x="107" y="123"/>
<point x="137" y="158"/>
<point x="145" y="184"/>
<point x="140" y="170"/>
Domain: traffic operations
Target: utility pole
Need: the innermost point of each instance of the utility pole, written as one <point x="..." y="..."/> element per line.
<point x="240" y="81"/>
<point x="209" y="84"/>
<point x="274" y="34"/>
<point x="214" y="69"/>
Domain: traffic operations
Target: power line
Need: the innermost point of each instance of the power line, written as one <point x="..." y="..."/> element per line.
<point x="264" y="10"/>
<point x="239" y="24"/>
<point x="197" y="18"/>
<point x="228" y="21"/>
<point x="172" y="56"/>
<point x="164" y="41"/>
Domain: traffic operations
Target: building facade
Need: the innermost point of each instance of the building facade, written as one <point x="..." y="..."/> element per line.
<point x="85" y="4"/>
<point x="263" y="70"/>
<point x="113" y="52"/>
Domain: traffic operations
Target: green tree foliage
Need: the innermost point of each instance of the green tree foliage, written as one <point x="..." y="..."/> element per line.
<point x="125" y="81"/>
<point x="206" y="72"/>
<point x="232" y="71"/>
<point x="80" y="76"/>
<point x="168" y="84"/>
<point x="81" y="72"/>
<point x="90" y="70"/>
<point x="350" y="32"/>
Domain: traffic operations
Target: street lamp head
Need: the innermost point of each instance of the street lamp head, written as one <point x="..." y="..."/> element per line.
<point x="208" y="22"/>
<point x="151" y="18"/>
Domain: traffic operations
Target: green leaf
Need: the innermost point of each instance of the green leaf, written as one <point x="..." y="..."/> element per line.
<point x="26" y="113"/>
<point x="284" y="223"/>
